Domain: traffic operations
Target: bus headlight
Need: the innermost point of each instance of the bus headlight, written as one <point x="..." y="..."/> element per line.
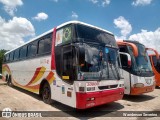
<point x="81" y="89"/>
<point x="90" y="99"/>
<point x="138" y="85"/>
<point x="121" y="85"/>
<point x="90" y="88"/>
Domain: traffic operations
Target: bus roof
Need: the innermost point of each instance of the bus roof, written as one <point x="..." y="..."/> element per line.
<point x="134" y="47"/>
<point x="66" y="23"/>
<point x="134" y="41"/>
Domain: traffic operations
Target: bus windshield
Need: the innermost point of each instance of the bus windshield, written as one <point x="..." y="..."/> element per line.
<point x="100" y="63"/>
<point x="93" y="35"/>
<point x="142" y="60"/>
<point x="156" y="63"/>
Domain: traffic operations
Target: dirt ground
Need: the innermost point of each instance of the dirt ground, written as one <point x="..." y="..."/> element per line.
<point x="20" y="100"/>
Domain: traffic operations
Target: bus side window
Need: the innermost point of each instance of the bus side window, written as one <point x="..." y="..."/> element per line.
<point x="16" y="54"/>
<point x="32" y="49"/>
<point x="11" y="57"/>
<point x="154" y="60"/>
<point x="45" y="45"/>
<point x="23" y="52"/>
<point x="67" y="64"/>
<point x="4" y="58"/>
<point x="7" y="57"/>
<point x="156" y="63"/>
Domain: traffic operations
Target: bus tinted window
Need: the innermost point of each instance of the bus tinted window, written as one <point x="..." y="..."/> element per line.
<point x="45" y="45"/>
<point x="32" y="49"/>
<point x="156" y="63"/>
<point x="16" y="54"/>
<point x="6" y="57"/>
<point x="88" y="34"/>
<point x="23" y="52"/>
<point x="11" y="56"/>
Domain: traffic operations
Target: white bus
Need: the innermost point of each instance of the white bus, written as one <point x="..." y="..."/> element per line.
<point x="137" y="70"/>
<point x="75" y="64"/>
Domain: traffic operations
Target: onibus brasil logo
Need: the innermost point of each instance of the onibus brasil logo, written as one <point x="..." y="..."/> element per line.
<point x="7" y="113"/>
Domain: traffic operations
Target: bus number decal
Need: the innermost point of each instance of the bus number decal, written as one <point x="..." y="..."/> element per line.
<point x="92" y="84"/>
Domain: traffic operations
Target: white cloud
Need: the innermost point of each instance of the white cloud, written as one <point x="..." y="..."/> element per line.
<point x="10" y="6"/>
<point x="105" y="2"/>
<point x="102" y="3"/>
<point x="148" y="38"/>
<point x="124" y="26"/>
<point x="41" y="16"/>
<point x="141" y="2"/>
<point x="94" y="1"/>
<point x="74" y="15"/>
<point x="13" y="31"/>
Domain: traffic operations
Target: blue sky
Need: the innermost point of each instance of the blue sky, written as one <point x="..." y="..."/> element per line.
<point x="127" y="19"/>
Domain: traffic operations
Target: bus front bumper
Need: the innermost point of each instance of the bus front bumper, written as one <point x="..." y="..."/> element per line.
<point x="141" y="90"/>
<point x="91" y="99"/>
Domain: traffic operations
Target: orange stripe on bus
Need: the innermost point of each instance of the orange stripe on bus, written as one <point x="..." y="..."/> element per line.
<point x="37" y="75"/>
<point x="29" y="88"/>
<point x="50" y="77"/>
<point x="138" y="91"/>
<point x="6" y="68"/>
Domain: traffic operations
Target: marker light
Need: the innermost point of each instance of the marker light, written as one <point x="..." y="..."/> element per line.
<point x="138" y="85"/>
<point x="81" y="89"/>
<point x="90" y="99"/>
<point x="121" y="85"/>
<point x="90" y="88"/>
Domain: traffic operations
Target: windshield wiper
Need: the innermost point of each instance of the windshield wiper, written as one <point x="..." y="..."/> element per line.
<point x="101" y="74"/>
<point x="118" y="76"/>
<point x="112" y="69"/>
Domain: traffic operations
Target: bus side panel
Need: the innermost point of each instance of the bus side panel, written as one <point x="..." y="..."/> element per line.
<point x="148" y="84"/>
<point x="63" y="92"/>
<point x="127" y="82"/>
<point x="157" y="75"/>
<point x="5" y="72"/>
<point x="29" y="73"/>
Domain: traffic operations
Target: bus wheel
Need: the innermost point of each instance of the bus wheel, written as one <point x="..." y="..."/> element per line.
<point x="9" y="81"/>
<point x="46" y="93"/>
<point x="6" y="78"/>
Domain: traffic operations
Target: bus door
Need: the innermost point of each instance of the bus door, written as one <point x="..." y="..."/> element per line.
<point x="126" y="65"/>
<point x="65" y="88"/>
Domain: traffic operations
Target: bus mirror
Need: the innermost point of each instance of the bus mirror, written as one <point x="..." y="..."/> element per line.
<point x="81" y="57"/>
<point x="125" y="60"/>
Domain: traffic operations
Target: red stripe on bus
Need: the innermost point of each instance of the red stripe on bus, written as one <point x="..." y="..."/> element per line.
<point x="53" y="66"/>
<point x="100" y="97"/>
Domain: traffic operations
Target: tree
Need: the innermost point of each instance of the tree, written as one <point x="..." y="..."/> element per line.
<point x="2" y="52"/>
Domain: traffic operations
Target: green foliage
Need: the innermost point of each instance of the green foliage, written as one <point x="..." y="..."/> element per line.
<point x="2" y="52"/>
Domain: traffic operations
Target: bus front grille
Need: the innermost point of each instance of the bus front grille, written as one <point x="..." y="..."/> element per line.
<point x="108" y="87"/>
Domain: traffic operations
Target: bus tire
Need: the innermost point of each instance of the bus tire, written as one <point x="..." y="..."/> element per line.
<point x="9" y="81"/>
<point x="46" y="93"/>
<point x="6" y="78"/>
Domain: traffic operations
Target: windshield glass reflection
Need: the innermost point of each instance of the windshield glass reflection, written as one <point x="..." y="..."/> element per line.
<point x="100" y="63"/>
